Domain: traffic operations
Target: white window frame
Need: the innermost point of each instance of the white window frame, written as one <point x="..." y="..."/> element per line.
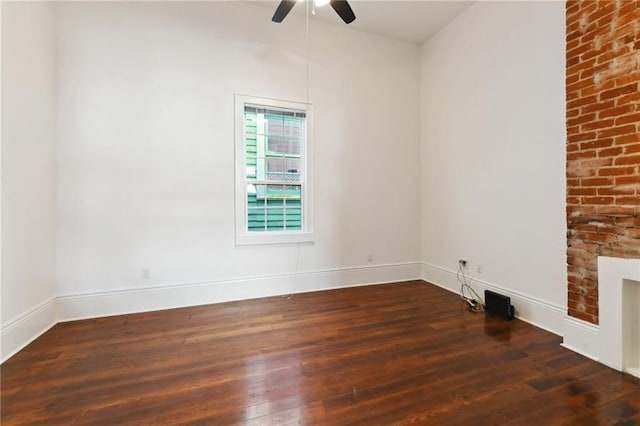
<point x="243" y="236"/>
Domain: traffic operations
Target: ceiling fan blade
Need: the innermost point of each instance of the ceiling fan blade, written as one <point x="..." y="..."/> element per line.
<point x="283" y="10"/>
<point x="343" y="9"/>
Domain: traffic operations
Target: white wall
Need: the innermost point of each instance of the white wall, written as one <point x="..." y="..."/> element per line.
<point x="145" y="150"/>
<point x="28" y="171"/>
<point x="145" y="155"/>
<point x="493" y="150"/>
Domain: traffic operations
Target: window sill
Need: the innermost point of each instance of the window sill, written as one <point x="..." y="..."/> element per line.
<point x="262" y="238"/>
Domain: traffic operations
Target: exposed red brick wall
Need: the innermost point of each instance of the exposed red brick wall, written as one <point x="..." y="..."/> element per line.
<point x="603" y="143"/>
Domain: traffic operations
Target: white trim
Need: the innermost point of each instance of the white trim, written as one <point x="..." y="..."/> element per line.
<point x="540" y="313"/>
<point x="274" y="238"/>
<point x="22" y="330"/>
<point x="116" y="302"/>
<point x="25" y="328"/>
<point x="581" y="337"/>
<point x="618" y="304"/>
<point x="633" y="371"/>
<point x="604" y="342"/>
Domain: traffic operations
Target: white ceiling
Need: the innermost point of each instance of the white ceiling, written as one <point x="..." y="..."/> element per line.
<point x="409" y="20"/>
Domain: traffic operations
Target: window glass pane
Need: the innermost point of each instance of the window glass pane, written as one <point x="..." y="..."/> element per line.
<point x="283" y="169"/>
<point x="292" y="128"/>
<point x="274" y="141"/>
<point x="256" y="220"/>
<point x="274" y="207"/>
<point x="287" y="192"/>
<point x="276" y="219"/>
<point x="277" y="145"/>
<point x="276" y="165"/>
<point x="283" y="145"/>
<point x="292" y="166"/>
<point x="275" y="125"/>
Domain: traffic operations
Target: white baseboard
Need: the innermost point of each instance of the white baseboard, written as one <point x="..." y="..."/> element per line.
<point x="27" y="327"/>
<point x="635" y="372"/>
<point x="107" y="303"/>
<point x="538" y="312"/>
<point x="21" y="331"/>
<point x="582" y="337"/>
<point x="24" y="329"/>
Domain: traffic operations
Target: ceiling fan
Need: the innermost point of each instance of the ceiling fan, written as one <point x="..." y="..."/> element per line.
<point x="341" y="7"/>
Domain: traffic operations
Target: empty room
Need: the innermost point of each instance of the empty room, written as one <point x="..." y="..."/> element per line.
<point x="320" y="212"/>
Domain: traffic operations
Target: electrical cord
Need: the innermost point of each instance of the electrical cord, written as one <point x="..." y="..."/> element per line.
<point x="475" y="302"/>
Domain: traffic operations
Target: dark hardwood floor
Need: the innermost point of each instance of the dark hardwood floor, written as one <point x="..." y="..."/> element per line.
<point x="405" y="353"/>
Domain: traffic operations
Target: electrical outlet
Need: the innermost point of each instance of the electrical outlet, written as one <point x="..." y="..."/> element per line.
<point x="145" y="273"/>
<point x="369" y="257"/>
<point x="479" y="268"/>
<point x="462" y="263"/>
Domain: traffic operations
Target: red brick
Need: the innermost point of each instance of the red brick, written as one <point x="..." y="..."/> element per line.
<point x="632" y="149"/>
<point x="630" y="76"/>
<point x="582" y="155"/>
<point x="597" y="88"/>
<point x="618" y="91"/>
<point x="578" y="85"/>
<point x="597" y="200"/>
<point x="581" y="119"/>
<point x="621" y="24"/>
<point x="578" y="137"/>
<point x="600" y="143"/>
<point x="628" y="222"/>
<point x="579" y="50"/>
<point x="579" y="66"/>
<point x="611" y="54"/>
<point x="573" y="201"/>
<point x="616" y="210"/>
<point x="599" y="124"/>
<point x="571" y="7"/>
<point x="591" y="248"/>
<point x="615" y="111"/>
<point x="628" y="180"/>
<point x="628" y="201"/>
<point x="596" y="164"/>
<point x="594" y="70"/>
<point x="631" y="118"/>
<point x="595" y="182"/>
<point x="633" y="233"/>
<point x="575" y="170"/>
<point x="628" y="99"/>
<point x="572" y="147"/>
<point x="616" y="191"/>
<point x="582" y="191"/>
<point x="583" y="316"/>
<point x="598" y="106"/>
<point x="628" y="159"/>
<point x="610" y="152"/>
<point x="582" y="101"/>
<point x="627" y="139"/>
<point x="616" y="171"/>
<point x="617" y="131"/>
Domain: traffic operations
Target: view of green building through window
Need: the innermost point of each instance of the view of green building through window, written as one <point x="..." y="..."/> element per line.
<point x="273" y="141"/>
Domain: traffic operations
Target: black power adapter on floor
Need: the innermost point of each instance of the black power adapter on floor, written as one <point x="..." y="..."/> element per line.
<point x="498" y="304"/>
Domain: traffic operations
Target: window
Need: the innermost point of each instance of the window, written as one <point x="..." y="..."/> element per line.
<point x="273" y="171"/>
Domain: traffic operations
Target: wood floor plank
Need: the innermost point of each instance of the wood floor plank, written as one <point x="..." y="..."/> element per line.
<point x="403" y="353"/>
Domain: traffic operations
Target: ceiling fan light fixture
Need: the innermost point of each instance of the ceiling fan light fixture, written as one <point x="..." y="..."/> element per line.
<point x="341" y="7"/>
